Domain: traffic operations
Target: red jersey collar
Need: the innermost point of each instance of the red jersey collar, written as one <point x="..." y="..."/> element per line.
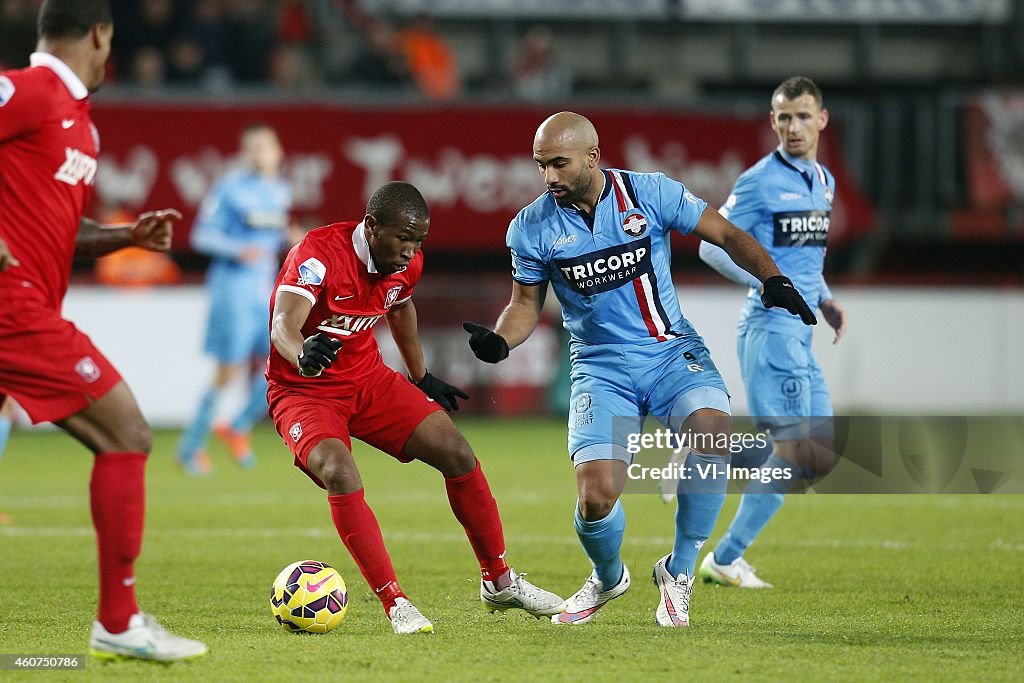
<point x="362" y="248"/>
<point x="71" y="81"/>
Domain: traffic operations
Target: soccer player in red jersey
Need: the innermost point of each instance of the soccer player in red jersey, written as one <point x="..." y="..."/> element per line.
<point x="329" y="384"/>
<point x="48" y="150"/>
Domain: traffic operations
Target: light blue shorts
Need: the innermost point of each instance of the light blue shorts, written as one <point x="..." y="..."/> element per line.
<point x="784" y="382"/>
<point x="615" y="387"/>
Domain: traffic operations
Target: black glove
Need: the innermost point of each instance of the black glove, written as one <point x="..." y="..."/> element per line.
<point x="779" y="291"/>
<point x="441" y="391"/>
<point x="318" y="352"/>
<point x="486" y="344"/>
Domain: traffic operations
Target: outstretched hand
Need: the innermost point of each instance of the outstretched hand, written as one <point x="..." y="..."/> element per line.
<point x="153" y="230"/>
<point x="487" y="345"/>
<point x="779" y="291"/>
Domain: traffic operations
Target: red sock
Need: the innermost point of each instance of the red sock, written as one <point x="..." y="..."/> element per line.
<point x="359" y="531"/>
<point x="475" y="508"/>
<point x="118" y="501"/>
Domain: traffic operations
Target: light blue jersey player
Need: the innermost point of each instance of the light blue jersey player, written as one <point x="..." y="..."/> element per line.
<point x="601" y="239"/>
<point x="242" y="225"/>
<point x="785" y="202"/>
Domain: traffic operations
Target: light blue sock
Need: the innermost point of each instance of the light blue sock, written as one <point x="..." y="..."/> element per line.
<point x="195" y="437"/>
<point x="759" y="503"/>
<point x="5" y="432"/>
<point x="699" y="500"/>
<point x="601" y="540"/>
<point x="255" y="406"/>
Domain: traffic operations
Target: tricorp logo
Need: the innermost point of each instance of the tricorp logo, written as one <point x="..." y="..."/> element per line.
<point x="607" y="269"/>
<point x="801" y="228"/>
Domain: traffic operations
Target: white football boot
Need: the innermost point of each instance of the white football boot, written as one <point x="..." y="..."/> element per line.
<point x="674" y="603"/>
<point x="738" y="574"/>
<point x="406" y="619"/>
<point x="520" y="594"/>
<point x="584" y="604"/>
<point x="144" y="639"/>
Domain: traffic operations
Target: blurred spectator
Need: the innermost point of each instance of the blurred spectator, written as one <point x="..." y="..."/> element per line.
<point x="431" y="60"/>
<point x="147" y="25"/>
<point x="293" y="23"/>
<point x="148" y="68"/>
<point x="537" y="74"/>
<point x="17" y="33"/>
<point x="290" y="69"/>
<point x="381" y="61"/>
<point x="186" y="60"/>
<point x="251" y="37"/>
<point x="198" y="54"/>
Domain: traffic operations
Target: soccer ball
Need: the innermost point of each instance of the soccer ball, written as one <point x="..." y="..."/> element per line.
<point x="309" y="596"/>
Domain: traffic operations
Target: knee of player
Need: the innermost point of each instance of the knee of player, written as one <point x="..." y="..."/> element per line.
<point x="461" y="459"/>
<point x="596" y="500"/>
<point x="135" y="437"/>
<point x="338" y="476"/>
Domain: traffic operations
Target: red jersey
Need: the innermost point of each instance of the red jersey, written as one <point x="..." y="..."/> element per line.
<point x="48" y="150"/>
<point x="333" y="268"/>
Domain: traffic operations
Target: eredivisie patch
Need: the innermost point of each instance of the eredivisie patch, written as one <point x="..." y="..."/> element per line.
<point x="312" y="272"/>
<point x="6" y="90"/>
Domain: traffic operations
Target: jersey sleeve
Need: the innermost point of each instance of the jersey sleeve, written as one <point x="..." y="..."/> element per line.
<point x="209" y="232"/>
<point x="744" y="207"/>
<point x="23" y="106"/>
<point x="680" y="209"/>
<point x="527" y="266"/>
<point x="306" y="270"/>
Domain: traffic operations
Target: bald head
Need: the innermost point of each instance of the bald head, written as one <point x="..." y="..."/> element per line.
<point x="565" y="149"/>
<point x="568" y="130"/>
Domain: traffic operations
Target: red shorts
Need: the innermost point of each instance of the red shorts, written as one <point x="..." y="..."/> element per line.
<point x="383" y="410"/>
<point x="48" y="365"/>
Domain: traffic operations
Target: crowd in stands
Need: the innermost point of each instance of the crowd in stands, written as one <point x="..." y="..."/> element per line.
<point x="288" y="45"/>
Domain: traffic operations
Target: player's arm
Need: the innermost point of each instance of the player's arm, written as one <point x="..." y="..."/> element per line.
<point x="404" y="328"/>
<point x="834" y="314"/>
<point x="748" y="253"/>
<point x="152" y="230"/>
<point x="310" y="356"/>
<point x="515" y="324"/>
<point x="719" y="260"/>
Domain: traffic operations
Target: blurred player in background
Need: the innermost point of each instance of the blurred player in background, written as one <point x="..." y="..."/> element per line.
<point x="328" y="384"/>
<point x="242" y="226"/>
<point x="785" y="202"/>
<point x="48" y="151"/>
<point x="601" y="239"/>
<point x="6" y="417"/>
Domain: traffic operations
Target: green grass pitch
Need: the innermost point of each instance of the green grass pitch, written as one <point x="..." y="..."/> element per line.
<point x="867" y="587"/>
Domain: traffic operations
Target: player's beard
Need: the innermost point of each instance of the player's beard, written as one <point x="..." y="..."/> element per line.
<point x="577" y="190"/>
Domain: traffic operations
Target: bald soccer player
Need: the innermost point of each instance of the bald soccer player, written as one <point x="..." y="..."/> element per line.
<point x="601" y="238"/>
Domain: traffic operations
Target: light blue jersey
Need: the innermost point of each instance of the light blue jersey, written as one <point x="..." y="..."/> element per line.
<point x="633" y="353"/>
<point x="611" y="272"/>
<point x="244" y="210"/>
<point x="786" y="204"/>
